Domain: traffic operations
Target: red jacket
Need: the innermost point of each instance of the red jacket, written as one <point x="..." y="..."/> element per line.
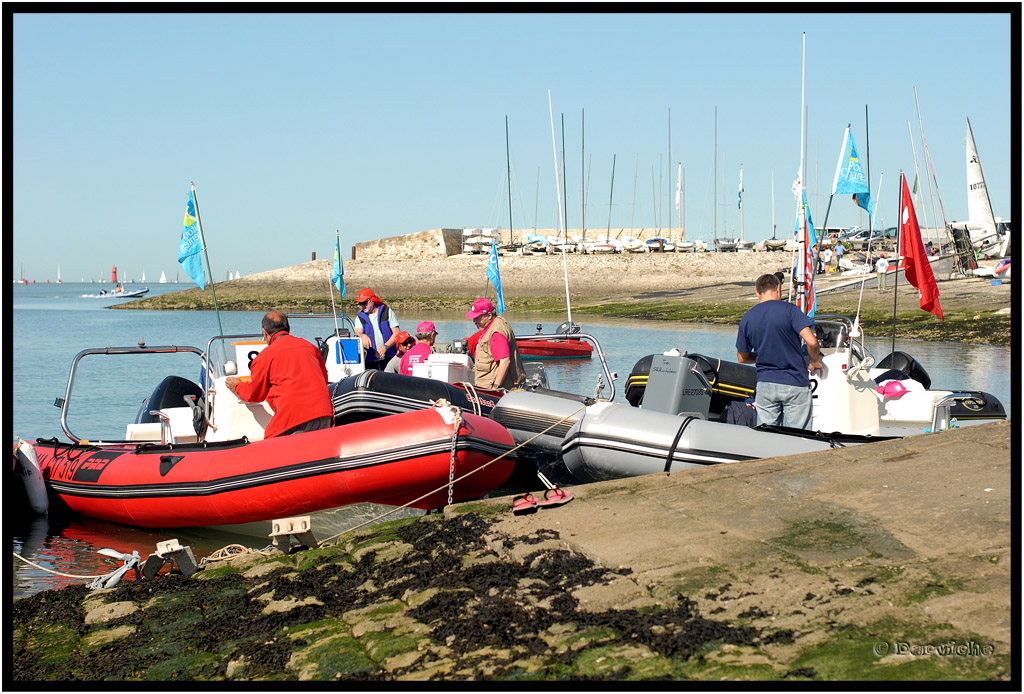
<point x="290" y="375"/>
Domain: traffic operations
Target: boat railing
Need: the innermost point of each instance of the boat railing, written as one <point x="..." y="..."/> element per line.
<point x="65" y="402"/>
<point x="608" y="375"/>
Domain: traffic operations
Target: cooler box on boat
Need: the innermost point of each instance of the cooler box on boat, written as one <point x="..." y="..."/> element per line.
<point x="451" y="368"/>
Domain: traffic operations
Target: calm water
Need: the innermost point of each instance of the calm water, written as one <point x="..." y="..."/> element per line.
<point x="52" y="323"/>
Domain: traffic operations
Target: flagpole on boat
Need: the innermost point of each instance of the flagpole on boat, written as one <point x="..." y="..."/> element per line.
<point x="330" y="278"/>
<point x="202" y="239"/>
<point x="561" y="218"/>
<point x="896" y="273"/>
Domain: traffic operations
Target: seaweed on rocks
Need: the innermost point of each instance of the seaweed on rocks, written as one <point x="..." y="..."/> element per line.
<point x="485" y="614"/>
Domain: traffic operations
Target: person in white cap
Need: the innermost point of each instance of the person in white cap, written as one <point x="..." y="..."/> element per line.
<point x="497" y="363"/>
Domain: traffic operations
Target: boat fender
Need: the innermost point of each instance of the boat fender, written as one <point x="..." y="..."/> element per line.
<point x="675" y="443"/>
<point x="32" y="476"/>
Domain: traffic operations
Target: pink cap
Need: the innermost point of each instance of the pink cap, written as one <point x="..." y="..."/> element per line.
<point x="426" y="327"/>
<point x="480" y="307"/>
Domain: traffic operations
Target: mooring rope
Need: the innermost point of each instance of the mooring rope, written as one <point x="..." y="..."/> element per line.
<point x="55" y="573"/>
<point x="323" y="542"/>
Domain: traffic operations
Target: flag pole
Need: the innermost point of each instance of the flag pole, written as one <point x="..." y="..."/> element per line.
<point x="330" y="284"/>
<point x="896" y="273"/>
<point x="202" y="239"/>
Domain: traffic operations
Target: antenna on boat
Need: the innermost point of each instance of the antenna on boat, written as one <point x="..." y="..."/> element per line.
<point x="561" y="217"/>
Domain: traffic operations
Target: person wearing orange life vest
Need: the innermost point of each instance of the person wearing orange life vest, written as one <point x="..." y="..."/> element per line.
<point x="291" y="376"/>
<point x="497" y="363"/>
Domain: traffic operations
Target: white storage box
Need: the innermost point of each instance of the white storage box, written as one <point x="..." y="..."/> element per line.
<point x="452" y="368"/>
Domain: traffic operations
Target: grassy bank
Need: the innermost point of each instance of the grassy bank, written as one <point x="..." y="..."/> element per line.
<point x="963" y="323"/>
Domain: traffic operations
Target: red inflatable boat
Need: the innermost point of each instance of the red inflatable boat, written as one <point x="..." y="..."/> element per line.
<point x="395" y="460"/>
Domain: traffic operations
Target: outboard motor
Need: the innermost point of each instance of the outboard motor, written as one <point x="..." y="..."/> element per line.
<point x="677" y="386"/>
<point x="170" y="392"/>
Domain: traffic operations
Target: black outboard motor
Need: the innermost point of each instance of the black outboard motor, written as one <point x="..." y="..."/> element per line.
<point x="170" y="392"/>
<point x="901" y="361"/>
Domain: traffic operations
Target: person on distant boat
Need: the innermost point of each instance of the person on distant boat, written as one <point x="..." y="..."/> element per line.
<point x="881" y="267"/>
<point x="404" y="342"/>
<point x="290" y="375"/>
<point x="769" y="337"/>
<point x="377" y="327"/>
<point x="497" y="363"/>
<point x="426" y="334"/>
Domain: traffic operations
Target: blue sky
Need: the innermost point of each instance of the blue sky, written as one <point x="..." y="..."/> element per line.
<point x="296" y="125"/>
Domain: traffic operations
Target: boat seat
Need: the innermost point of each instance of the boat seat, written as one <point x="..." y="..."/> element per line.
<point x="178" y="419"/>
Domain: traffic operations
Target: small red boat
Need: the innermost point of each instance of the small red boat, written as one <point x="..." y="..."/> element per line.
<point x="396" y="461"/>
<point x="571" y="348"/>
<point x="195" y="456"/>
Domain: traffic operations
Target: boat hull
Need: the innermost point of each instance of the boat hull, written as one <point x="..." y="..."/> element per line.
<point x="404" y="460"/>
<point x="374" y="394"/>
<point x="536" y="350"/>
<point x="612" y="441"/>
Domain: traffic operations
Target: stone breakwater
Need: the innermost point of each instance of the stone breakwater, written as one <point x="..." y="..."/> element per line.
<point x="856" y="564"/>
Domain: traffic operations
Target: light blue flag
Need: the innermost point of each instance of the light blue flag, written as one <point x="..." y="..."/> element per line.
<point x="850" y="177"/>
<point x="338" y="274"/>
<point x="495" y="277"/>
<point x="191" y="249"/>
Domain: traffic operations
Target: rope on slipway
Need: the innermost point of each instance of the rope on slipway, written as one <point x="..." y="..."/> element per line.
<point x="434" y="491"/>
<point x="51" y="571"/>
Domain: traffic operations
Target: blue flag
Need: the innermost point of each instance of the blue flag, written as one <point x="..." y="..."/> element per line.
<point x="338" y="274"/>
<point x="850" y="177"/>
<point x="494" y="277"/>
<point x="190" y="251"/>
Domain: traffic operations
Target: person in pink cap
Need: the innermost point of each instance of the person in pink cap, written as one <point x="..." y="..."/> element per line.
<point x="426" y="333"/>
<point x="497" y="361"/>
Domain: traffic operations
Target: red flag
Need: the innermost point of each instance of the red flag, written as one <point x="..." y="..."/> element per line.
<point x="915" y="261"/>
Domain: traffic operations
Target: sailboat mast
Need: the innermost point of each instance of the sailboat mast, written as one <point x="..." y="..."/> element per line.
<point x="773" y="204"/>
<point x="565" y="193"/>
<point x="679" y="192"/>
<point x="927" y="161"/>
<point x="632" y="218"/>
<point x="508" y="165"/>
<point x="741" y="201"/>
<point x="583" y="177"/>
<point x="714" y="177"/>
<point x="670" y="164"/>
<point x="565" y="264"/>
<point x="608" y="233"/>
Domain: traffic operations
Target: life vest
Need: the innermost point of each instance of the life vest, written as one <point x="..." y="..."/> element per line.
<point x="485" y="365"/>
<point x="385" y="330"/>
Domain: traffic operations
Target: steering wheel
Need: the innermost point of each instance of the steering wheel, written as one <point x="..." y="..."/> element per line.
<point x="709" y="369"/>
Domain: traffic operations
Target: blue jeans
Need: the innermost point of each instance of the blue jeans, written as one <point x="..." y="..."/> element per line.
<point x="781" y="404"/>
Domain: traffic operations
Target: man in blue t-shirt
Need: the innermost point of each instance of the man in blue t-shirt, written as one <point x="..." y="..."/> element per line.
<point x="769" y="336"/>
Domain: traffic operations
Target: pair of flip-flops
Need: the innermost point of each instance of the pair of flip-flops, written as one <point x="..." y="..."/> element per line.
<point x="528" y="503"/>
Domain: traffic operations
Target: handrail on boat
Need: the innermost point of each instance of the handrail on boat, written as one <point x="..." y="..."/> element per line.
<point x="64" y="402"/>
<point x="581" y="336"/>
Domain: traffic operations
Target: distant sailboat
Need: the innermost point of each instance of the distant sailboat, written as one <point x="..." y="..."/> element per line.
<point x="163" y="277"/>
<point x="981" y="222"/>
<point x="58" y="275"/>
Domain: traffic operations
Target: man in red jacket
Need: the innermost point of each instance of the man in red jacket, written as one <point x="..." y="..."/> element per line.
<point x="291" y="376"/>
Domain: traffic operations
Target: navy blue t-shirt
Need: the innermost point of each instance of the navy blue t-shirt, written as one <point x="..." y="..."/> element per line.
<point x="771" y="330"/>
